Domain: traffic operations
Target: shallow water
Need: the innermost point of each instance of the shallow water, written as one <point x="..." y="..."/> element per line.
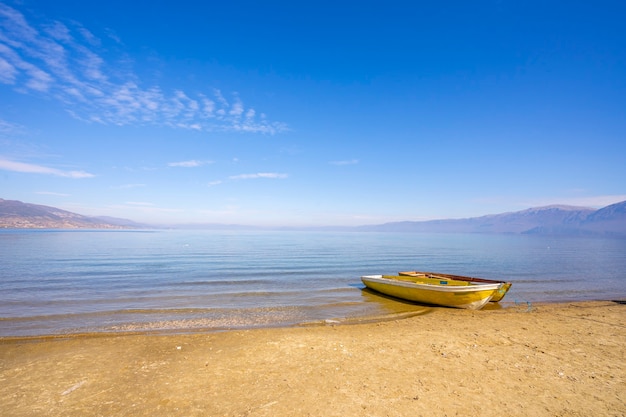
<point x="56" y="282"/>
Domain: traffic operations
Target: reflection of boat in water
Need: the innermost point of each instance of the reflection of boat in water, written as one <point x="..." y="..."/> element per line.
<point x="447" y="293"/>
<point x="497" y="297"/>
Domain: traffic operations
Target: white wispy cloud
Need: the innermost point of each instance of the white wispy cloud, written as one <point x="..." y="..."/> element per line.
<point x="597" y="201"/>
<point x="346" y="162"/>
<point x="189" y="164"/>
<point x="129" y="186"/>
<point x="8" y="165"/>
<point x="145" y="210"/>
<point x="519" y="203"/>
<point x="214" y="183"/>
<point x="64" y="63"/>
<point x="272" y="175"/>
<point x="7" y="128"/>
<point x="52" y="193"/>
<point x="139" y="203"/>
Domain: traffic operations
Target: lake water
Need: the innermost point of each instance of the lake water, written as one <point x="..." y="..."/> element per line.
<point x="59" y="282"/>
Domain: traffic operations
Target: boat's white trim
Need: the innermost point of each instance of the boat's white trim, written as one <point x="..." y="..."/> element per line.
<point x="473" y="286"/>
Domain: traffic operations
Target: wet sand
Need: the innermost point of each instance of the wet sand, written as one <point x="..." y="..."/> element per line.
<point x="542" y="360"/>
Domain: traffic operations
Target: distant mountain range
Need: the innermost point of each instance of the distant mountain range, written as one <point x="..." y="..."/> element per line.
<point x="17" y="215"/>
<point x="561" y="220"/>
<point x="550" y="220"/>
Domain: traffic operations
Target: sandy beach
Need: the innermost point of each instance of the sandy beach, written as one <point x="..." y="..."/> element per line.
<point x="541" y="360"/>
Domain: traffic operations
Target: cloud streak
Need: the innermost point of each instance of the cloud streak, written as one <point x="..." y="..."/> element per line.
<point x="128" y="186"/>
<point x="52" y="193"/>
<point x="15" y="166"/>
<point x="188" y="164"/>
<point x="597" y="201"/>
<point x="9" y="129"/>
<point x="63" y="63"/>
<point x="347" y="162"/>
<point x="272" y="175"/>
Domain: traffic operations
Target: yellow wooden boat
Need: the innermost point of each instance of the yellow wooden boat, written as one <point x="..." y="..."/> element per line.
<point x="447" y="293"/>
<point x="497" y="297"/>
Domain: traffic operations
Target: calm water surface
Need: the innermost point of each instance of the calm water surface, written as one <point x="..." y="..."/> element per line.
<point x="57" y="282"/>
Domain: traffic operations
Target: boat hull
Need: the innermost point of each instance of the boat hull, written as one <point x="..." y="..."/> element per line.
<point x="497" y="297"/>
<point x="450" y="293"/>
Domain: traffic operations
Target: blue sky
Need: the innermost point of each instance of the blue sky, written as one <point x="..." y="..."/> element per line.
<point x="317" y="113"/>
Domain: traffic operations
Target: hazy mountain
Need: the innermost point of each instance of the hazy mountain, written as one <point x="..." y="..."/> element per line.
<point x="18" y="215"/>
<point x="562" y="220"/>
<point x="122" y="222"/>
<point x="610" y="219"/>
<point x="565" y="220"/>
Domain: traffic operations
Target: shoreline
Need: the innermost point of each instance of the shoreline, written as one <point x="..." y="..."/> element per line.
<point x="550" y="359"/>
<point x="401" y="314"/>
<point x="195" y="331"/>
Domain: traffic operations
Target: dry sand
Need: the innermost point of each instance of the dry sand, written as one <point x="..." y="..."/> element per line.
<point x="548" y="360"/>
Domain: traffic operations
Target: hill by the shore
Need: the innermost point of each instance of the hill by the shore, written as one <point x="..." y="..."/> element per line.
<point x="558" y="219"/>
<point x="561" y="220"/>
<point x="18" y="215"/>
